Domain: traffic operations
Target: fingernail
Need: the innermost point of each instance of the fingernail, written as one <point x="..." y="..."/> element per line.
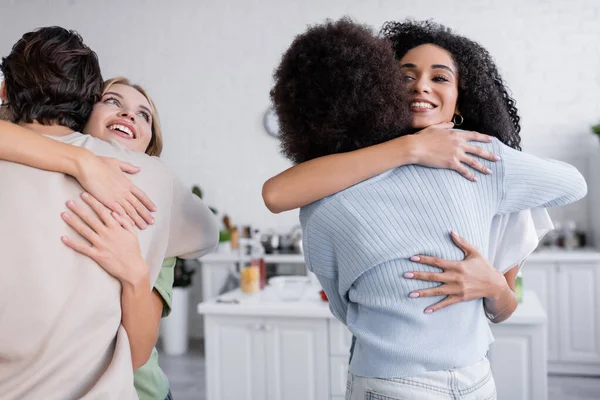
<point x="497" y="158"/>
<point x="409" y="275"/>
<point x="152" y="220"/>
<point x="63" y="238"/>
<point x="455" y="234"/>
<point x="414" y="295"/>
<point x="488" y="171"/>
<point x="428" y="311"/>
<point x="475" y="179"/>
<point x="64" y="215"/>
<point x="415" y="258"/>
<point x="85" y="195"/>
<point x="70" y="203"/>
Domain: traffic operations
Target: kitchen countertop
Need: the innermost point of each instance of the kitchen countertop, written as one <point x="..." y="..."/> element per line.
<point x="544" y="255"/>
<point x="266" y="303"/>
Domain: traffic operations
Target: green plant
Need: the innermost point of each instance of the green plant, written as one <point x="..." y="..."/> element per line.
<point x="596" y="129"/>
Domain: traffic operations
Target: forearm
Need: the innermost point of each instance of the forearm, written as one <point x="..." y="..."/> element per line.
<point x="310" y="181"/>
<point x="23" y="146"/>
<point x="139" y="317"/>
<point x="501" y="305"/>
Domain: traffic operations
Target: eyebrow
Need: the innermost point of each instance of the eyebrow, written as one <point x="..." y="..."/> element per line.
<point x="119" y="96"/>
<point x="433" y="66"/>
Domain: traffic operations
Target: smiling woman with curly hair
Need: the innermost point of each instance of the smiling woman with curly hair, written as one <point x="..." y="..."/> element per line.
<point x="338" y="91"/>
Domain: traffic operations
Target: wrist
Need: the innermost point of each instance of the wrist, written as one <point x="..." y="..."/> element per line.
<point x="498" y="288"/>
<point x="77" y="161"/>
<point x="409" y="150"/>
<point x="136" y="276"/>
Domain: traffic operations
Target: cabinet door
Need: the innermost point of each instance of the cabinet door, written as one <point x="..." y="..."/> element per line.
<point x="541" y="278"/>
<point x="297" y="359"/>
<point x="518" y="362"/>
<point x="579" y="304"/>
<point x="235" y="358"/>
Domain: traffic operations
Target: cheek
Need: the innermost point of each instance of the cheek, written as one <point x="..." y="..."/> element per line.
<point x="95" y="126"/>
<point x="450" y="98"/>
<point x="146" y="136"/>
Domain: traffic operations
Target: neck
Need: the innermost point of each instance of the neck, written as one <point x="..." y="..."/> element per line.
<point x="52" y="130"/>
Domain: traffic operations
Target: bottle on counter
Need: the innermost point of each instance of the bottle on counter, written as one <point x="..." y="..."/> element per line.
<point x="250" y="279"/>
<point x="571" y="239"/>
<point x="519" y="287"/>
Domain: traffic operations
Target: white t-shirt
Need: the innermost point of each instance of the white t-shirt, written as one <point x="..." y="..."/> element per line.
<point x="513" y="237"/>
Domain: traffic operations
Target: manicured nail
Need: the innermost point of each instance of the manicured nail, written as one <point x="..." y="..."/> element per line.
<point x="488" y="171"/>
<point x="64" y="215"/>
<point x="71" y="203"/>
<point x="414" y="295"/>
<point x="455" y="234"/>
<point x="409" y="275"/>
<point x="152" y="220"/>
<point x="428" y="311"/>
<point x="85" y="195"/>
<point x="497" y="158"/>
<point x="64" y="238"/>
<point x="475" y="179"/>
<point x="415" y="258"/>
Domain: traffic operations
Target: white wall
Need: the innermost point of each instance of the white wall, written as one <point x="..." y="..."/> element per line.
<point x="208" y="64"/>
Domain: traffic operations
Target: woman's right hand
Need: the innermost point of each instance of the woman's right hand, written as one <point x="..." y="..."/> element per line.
<point x="104" y="179"/>
<point x="438" y="146"/>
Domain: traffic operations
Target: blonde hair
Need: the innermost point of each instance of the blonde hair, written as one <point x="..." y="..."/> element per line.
<point x="155" y="146"/>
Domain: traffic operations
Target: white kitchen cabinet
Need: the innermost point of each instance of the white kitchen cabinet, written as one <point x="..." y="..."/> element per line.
<point x="519" y="362"/>
<point x="258" y="347"/>
<point x="568" y="285"/>
<point x="236" y="357"/>
<point x="579" y="308"/>
<point x="541" y="278"/>
<point x="255" y="358"/>
<point x="296" y="357"/>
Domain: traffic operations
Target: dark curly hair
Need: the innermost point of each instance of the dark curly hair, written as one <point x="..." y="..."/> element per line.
<point x="338" y="88"/>
<point x="51" y="77"/>
<point x="483" y="99"/>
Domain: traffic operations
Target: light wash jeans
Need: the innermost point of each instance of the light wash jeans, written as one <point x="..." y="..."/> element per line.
<point x="469" y="383"/>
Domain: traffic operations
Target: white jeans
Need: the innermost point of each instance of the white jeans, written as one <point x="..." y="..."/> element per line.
<point x="469" y="383"/>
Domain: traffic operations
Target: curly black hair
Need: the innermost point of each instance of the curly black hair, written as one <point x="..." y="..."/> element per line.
<point x="51" y="76"/>
<point x="338" y="88"/>
<point x="483" y="99"/>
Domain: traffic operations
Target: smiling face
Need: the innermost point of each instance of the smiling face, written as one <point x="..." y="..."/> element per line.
<point x="123" y="114"/>
<point x="432" y="79"/>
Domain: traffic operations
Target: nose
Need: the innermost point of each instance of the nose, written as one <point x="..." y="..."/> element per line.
<point x="421" y="85"/>
<point x="127" y="114"/>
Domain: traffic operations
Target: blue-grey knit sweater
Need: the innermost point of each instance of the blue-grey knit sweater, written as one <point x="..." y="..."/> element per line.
<point x="358" y="243"/>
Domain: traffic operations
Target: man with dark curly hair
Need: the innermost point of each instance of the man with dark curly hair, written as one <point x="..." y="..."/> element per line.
<point x="60" y="313"/>
<point x="361" y="242"/>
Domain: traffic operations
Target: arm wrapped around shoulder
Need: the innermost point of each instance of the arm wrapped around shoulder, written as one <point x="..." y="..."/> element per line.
<point x="530" y="182"/>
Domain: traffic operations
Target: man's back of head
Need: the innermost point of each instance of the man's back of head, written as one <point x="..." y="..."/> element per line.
<point x="51" y="77"/>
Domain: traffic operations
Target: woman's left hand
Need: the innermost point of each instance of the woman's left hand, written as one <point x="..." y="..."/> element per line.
<point x="113" y="241"/>
<point x="469" y="279"/>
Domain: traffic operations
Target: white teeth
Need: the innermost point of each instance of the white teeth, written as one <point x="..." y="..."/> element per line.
<point x="121" y="128"/>
<point x="418" y="104"/>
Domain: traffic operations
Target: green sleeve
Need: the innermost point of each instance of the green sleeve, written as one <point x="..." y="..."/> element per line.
<point x="164" y="284"/>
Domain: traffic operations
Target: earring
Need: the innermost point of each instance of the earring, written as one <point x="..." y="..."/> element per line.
<point x="458" y="119"/>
